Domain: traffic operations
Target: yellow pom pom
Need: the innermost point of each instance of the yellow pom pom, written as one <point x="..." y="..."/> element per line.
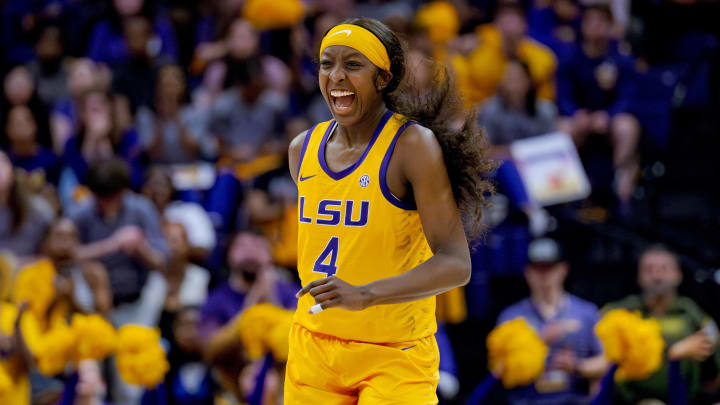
<point x="34" y="284"/>
<point x="54" y="349"/>
<point x="272" y="14"/>
<point x="264" y="328"/>
<point x="6" y="382"/>
<point x="96" y="337"/>
<point x="516" y="352"/>
<point x="136" y="338"/>
<point x="633" y="343"/>
<point x="441" y="21"/>
<point x="140" y="357"/>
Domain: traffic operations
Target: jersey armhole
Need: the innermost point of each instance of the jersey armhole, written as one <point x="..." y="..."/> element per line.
<point x="389" y="196"/>
<point x="304" y="147"/>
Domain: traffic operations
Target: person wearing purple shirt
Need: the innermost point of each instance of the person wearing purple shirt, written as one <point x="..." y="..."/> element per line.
<point x="595" y="86"/>
<point x="556" y="25"/>
<point x="566" y="323"/>
<point x="25" y="152"/>
<point x="108" y="44"/>
<point x="252" y="280"/>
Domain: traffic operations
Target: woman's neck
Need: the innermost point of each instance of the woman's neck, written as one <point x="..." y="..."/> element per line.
<point x="596" y="48"/>
<point x="515" y="102"/>
<point x="362" y="131"/>
<point x="24" y="148"/>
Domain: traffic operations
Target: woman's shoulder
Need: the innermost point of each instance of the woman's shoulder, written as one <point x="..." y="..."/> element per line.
<point x="415" y="134"/>
<point x="416" y="143"/>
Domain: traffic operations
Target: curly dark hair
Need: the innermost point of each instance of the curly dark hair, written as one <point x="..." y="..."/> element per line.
<point x="441" y="110"/>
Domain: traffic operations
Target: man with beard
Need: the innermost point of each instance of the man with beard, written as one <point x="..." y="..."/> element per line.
<point x="690" y="334"/>
<point x="252" y="280"/>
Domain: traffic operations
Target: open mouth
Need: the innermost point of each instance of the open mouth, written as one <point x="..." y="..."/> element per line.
<point x="342" y="100"/>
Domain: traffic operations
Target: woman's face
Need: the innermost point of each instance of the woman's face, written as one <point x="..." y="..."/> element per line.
<point x="516" y="82"/>
<point x="158" y="189"/>
<point x="242" y="40"/>
<point x="19" y="86"/>
<point x="185" y="330"/>
<point x="97" y="113"/>
<point x="49" y="46"/>
<point x="62" y="240"/>
<point x="347" y="82"/>
<point x="177" y="240"/>
<point x="128" y="7"/>
<point x="6" y="173"/>
<point x="171" y="81"/>
<point x="596" y="26"/>
<point x="21" y="125"/>
<point x="82" y="76"/>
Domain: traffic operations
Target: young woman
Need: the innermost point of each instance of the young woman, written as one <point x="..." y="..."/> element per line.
<point x="516" y="112"/>
<point x="383" y="190"/>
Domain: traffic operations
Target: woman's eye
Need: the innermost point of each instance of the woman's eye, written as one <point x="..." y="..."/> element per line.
<point x="354" y="64"/>
<point x="325" y="63"/>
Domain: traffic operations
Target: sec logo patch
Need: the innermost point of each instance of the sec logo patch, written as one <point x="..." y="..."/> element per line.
<point x="364" y="180"/>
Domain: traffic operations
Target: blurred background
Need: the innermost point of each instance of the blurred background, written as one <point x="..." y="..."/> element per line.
<point x="143" y="155"/>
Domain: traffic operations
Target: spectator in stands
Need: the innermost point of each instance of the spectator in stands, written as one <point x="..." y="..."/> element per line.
<point x="83" y="76"/>
<point x="187" y="283"/>
<point x="25" y="152"/>
<point x="555" y="23"/>
<point x="98" y="139"/>
<point x="169" y="130"/>
<point x="19" y="89"/>
<point x="199" y="230"/>
<point x="84" y="284"/>
<point x="108" y="45"/>
<point x="690" y="334"/>
<point x="252" y="280"/>
<point x="566" y="323"/>
<point x="135" y="79"/>
<point x="48" y="69"/>
<point x="23" y="222"/>
<point x="272" y="205"/>
<point x="595" y="91"/>
<point x="121" y="230"/>
<point x="189" y="380"/>
<point x="246" y="116"/>
<point x="516" y="112"/>
<point x="499" y="42"/>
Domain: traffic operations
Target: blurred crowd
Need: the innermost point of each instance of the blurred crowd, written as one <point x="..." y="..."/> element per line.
<point x="143" y="154"/>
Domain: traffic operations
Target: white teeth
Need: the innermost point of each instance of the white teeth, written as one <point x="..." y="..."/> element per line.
<point x="341" y="93"/>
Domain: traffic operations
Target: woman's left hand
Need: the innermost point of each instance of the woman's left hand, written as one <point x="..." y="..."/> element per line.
<point x="331" y="292"/>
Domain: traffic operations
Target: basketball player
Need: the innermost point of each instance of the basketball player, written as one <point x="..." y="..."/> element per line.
<point x="380" y="232"/>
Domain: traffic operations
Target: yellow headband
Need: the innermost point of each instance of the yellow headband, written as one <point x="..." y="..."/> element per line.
<point x="360" y="39"/>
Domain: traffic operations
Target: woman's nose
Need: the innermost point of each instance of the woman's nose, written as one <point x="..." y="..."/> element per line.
<point x="337" y="74"/>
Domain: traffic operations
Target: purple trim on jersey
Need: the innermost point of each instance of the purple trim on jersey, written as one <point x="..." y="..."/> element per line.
<point x="305" y="144"/>
<point x="339" y="175"/>
<point x="383" y="173"/>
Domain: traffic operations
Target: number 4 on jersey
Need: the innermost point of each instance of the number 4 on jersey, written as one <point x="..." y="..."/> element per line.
<point x="330" y="250"/>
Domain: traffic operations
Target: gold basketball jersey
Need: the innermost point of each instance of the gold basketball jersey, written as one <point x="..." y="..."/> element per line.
<point x="351" y="226"/>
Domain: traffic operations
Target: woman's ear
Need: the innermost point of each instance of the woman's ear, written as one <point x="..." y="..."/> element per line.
<point x="382" y="80"/>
